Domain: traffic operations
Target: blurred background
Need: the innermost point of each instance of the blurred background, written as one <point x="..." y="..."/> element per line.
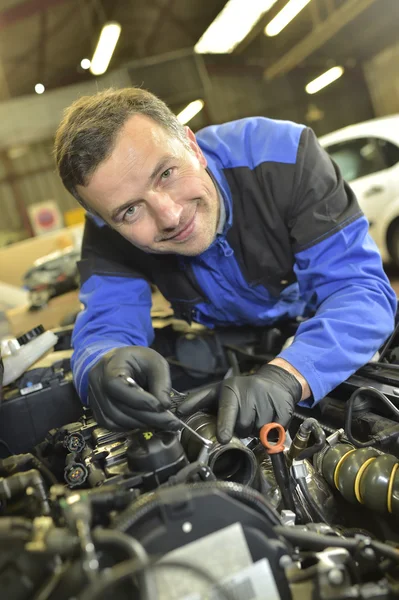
<point x="331" y="64"/>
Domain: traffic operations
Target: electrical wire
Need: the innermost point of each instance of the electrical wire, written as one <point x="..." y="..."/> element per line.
<point x="6" y="446"/>
<point x="255" y="357"/>
<point x="119" y="573"/>
<point x="177" y="363"/>
<point x="349" y="412"/>
<point x="387" y="343"/>
<point x="51" y="584"/>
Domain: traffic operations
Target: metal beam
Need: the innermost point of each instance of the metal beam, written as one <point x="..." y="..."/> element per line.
<point x="29" y="54"/>
<point x="25" y="9"/>
<point x="154" y="33"/>
<point x="318" y="37"/>
<point x="41" y="50"/>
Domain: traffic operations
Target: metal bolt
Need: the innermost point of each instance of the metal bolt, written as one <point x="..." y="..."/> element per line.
<point x="288" y="517"/>
<point x="336" y="576"/>
<point x="285" y="561"/>
<point x="368" y="553"/>
<point x="187" y="527"/>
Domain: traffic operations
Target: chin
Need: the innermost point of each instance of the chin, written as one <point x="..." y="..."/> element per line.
<point x="193" y="249"/>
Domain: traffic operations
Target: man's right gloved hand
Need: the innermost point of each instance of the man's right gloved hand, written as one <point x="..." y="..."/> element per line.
<point x="120" y="407"/>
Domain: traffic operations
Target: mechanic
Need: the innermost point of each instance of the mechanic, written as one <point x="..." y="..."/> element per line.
<point x="244" y="223"/>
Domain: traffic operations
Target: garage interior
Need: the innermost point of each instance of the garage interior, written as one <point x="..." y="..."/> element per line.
<point x="295" y="517"/>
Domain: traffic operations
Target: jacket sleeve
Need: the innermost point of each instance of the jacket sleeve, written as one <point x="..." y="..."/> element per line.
<point x="340" y="275"/>
<point x="117" y="312"/>
<point x="117" y="306"/>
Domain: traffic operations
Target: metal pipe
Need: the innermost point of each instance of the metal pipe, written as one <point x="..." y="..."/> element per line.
<point x="229" y="462"/>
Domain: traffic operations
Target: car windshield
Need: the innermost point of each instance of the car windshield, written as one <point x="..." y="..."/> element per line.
<point x="357" y="158"/>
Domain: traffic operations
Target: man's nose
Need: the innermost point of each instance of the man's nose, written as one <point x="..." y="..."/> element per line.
<point x="167" y="212"/>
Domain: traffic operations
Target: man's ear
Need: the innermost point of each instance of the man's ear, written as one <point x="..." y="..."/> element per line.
<point x="194" y="147"/>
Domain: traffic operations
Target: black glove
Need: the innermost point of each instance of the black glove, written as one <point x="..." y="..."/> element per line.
<point x="246" y="403"/>
<point x="117" y="405"/>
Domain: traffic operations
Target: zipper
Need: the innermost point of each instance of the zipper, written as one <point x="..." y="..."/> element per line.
<point x="225" y="248"/>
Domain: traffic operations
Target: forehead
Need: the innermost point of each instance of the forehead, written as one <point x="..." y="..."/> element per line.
<point x="140" y="141"/>
<point x="140" y="144"/>
<point x="138" y="137"/>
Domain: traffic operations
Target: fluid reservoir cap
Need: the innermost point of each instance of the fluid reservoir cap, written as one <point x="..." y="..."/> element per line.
<point x="30" y="335"/>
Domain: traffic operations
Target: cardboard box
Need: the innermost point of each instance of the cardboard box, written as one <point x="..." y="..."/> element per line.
<point x="17" y="258"/>
<point x="22" y="319"/>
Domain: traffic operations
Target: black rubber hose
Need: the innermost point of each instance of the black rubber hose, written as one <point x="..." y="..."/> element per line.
<point x="387" y="344"/>
<point x="115" y="575"/>
<point x="129" y="545"/>
<point x="317" y="541"/>
<point x="313" y="426"/>
<point x="349" y="411"/>
<point x="146" y="503"/>
<point x="15" y="528"/>
<point x="283" y="481"/>
<point x="47" y="474"/>
<point x="13" y="463"/>
<point x="301" y="417"/>
<point x="315" y="510"/>
<point x="19" y="482"/>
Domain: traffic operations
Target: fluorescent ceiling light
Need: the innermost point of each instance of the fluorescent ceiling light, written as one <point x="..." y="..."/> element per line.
<point x="325" y="79"/>
<point x="286" y="14"/>
<point x="85" y="63"/>
<point x="232" y="25"/>
<point x="39" y="88"/>
<point x="190" y="111"/>
<point x="105" y="48"/>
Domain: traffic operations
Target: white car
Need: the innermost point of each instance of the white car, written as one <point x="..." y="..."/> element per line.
<point x="368" y="156"/>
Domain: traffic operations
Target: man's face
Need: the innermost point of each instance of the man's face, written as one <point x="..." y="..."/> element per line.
<point x="155" y="191"/>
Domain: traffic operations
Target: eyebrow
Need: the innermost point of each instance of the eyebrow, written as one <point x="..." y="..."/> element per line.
<point x="158" y="169"/>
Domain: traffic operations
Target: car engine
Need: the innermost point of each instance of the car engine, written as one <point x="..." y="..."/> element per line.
<point x="307" y="514"/>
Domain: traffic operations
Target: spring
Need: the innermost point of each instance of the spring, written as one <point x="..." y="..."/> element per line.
<point x="364" y="476"/>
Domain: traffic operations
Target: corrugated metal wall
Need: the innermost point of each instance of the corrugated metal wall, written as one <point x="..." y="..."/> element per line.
<point x="382" y="75"/>
<point x="28" y="172"/>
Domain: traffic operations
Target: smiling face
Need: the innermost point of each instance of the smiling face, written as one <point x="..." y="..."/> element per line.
<point x="155" y="191"/>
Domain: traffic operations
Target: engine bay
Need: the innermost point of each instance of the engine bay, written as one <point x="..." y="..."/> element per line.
<point x="311" y="513"/>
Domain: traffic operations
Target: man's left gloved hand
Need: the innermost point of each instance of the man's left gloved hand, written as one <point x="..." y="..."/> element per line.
<point x="246" y="403"/>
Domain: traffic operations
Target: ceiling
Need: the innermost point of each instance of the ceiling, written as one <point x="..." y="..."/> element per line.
<point x="45" y="40"/>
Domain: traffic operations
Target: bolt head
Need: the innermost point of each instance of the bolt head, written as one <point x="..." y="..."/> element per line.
<point x="285" y="561"/>
<point x="187" y="527"/>
<point x="336" y="577"/>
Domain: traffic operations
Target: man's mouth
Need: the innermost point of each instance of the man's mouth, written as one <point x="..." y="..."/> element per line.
<point x="185" y="232"/>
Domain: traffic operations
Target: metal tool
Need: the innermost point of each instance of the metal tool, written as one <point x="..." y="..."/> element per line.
<point x="205" y="451"/>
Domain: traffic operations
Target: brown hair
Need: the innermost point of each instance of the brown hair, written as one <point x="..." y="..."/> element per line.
<point x="87" y="133"/>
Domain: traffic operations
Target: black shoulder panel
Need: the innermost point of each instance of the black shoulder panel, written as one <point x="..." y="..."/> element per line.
<point x="322" y="202"/>
<point x="259" y="233"/>
<point x="280" y="209"/>
<point x="106" y="252"/>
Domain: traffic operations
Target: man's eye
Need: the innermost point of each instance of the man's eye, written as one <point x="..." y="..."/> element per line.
<point x="131" y="212"/>
<point x="166" y="174"/>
